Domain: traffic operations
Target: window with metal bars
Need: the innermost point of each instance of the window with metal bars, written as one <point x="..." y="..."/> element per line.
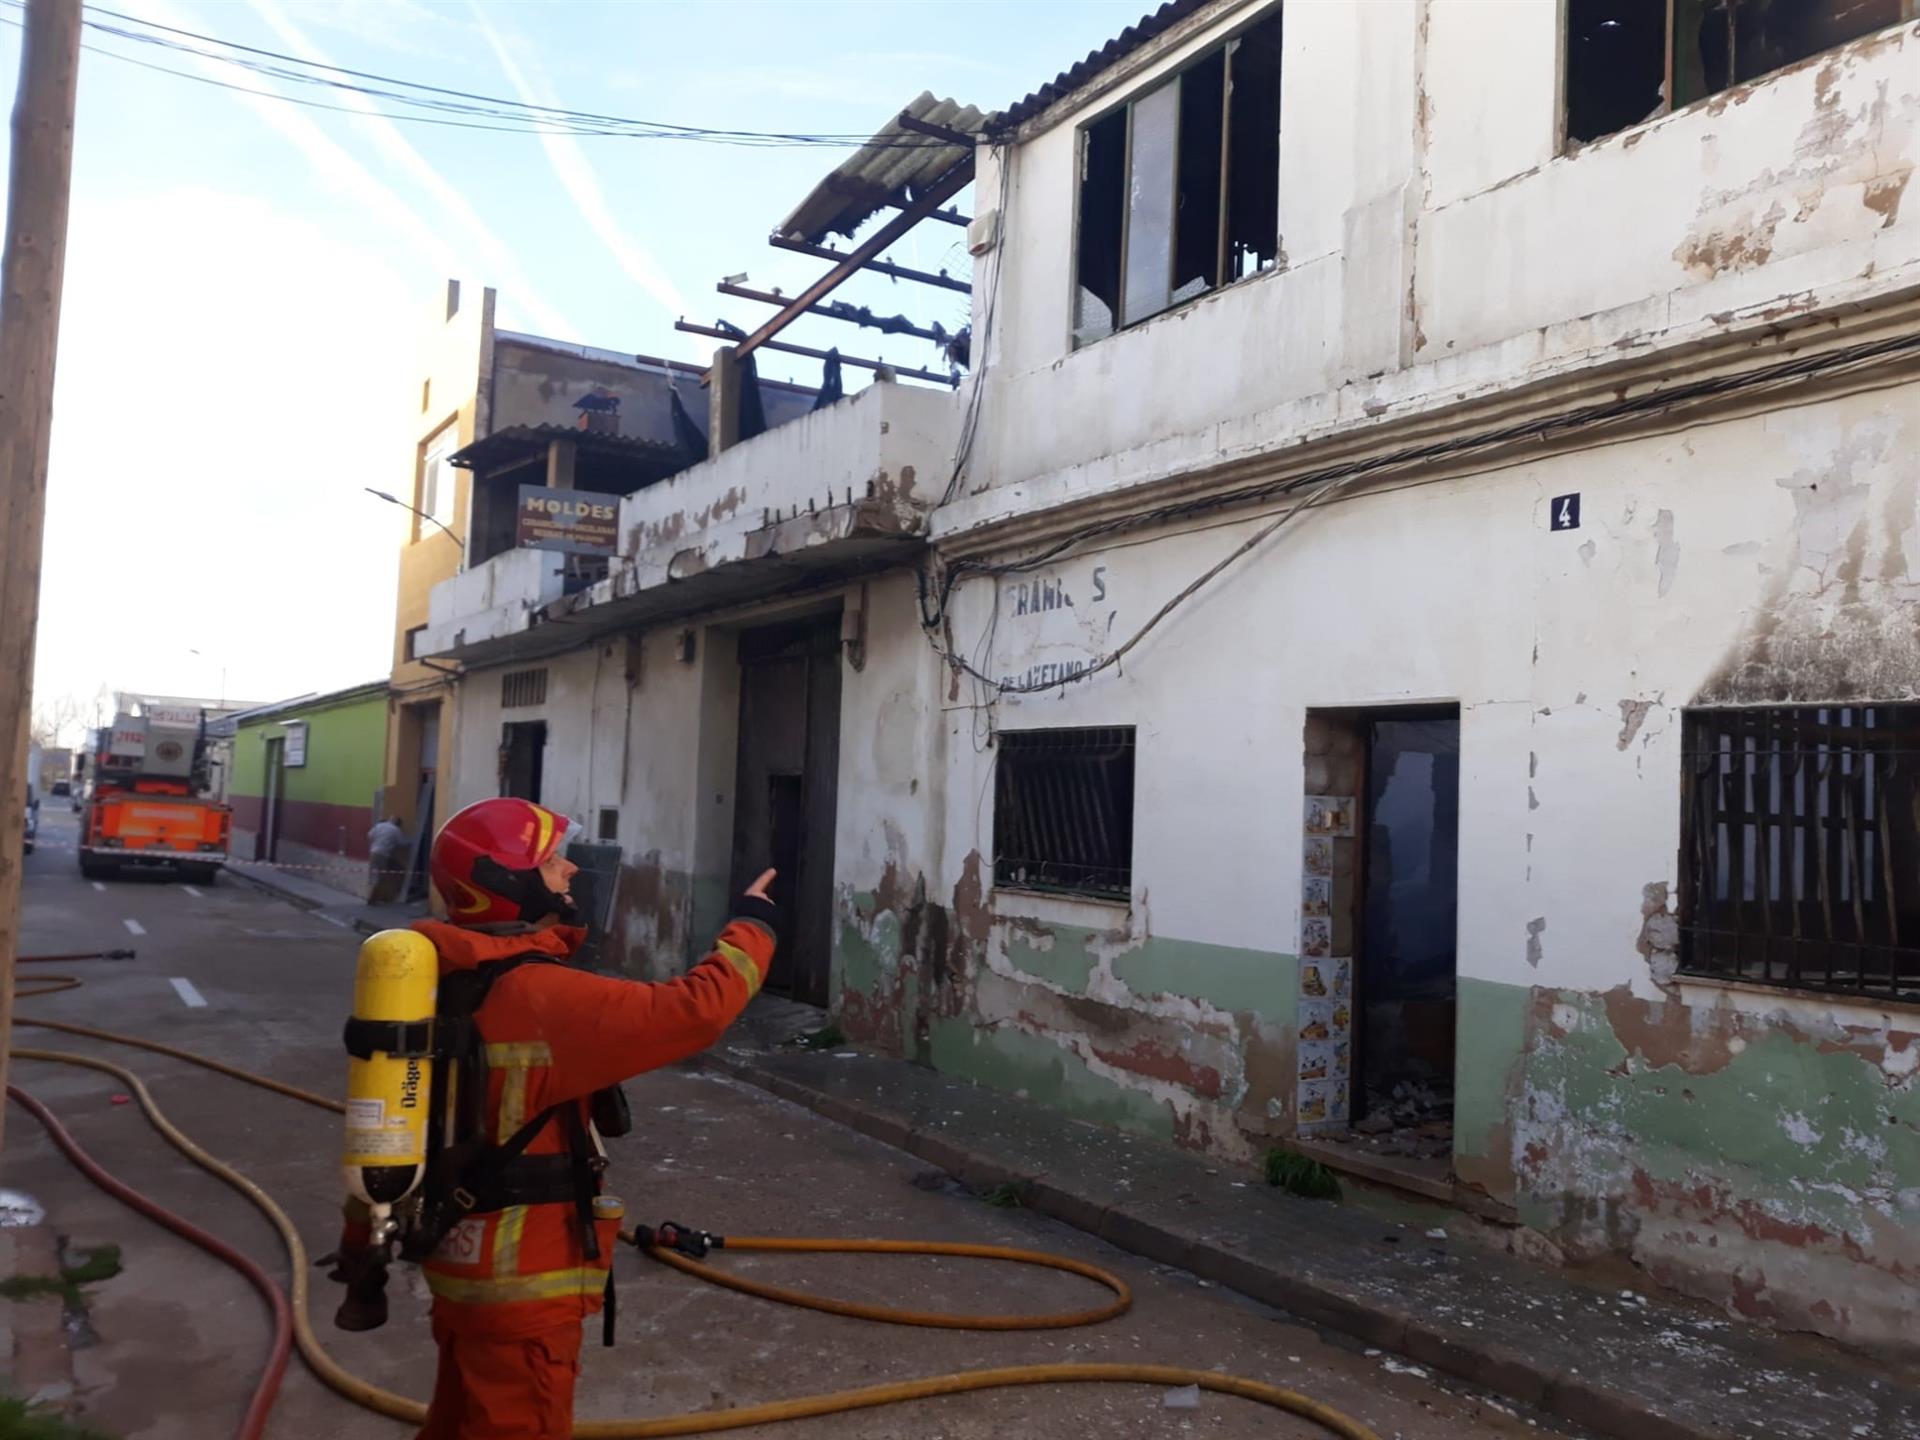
<point x="523" y="687"/>
<point x="1799" y="845"/>
<point x="1063" y="811"/>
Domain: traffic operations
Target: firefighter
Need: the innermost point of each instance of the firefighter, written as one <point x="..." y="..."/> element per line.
<point x="526" y="1260"/>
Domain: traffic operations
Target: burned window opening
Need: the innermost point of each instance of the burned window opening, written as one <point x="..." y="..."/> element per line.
<point x="1202" y="173"/>
<point x="608" y="823"/>
<point x="1103" y="183"/>
<point x="1063" y="811"/>
<point x="1800" y="834"/>
<point x="1253" y="153"/>
<point x="1180" y="188"/>
<point x="1628" y="61"/>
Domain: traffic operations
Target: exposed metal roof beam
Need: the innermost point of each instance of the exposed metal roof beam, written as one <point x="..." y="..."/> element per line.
<point x="852" y="314"/>
<point x="787" y="348"/>
<point x="909" y="121"/>
<point x="879" y="267"/>
<point x="952" y="216"/>
<point x="935" y="195"/>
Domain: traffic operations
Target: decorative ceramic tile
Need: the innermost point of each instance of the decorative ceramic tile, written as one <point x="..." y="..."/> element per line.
<point x="1316" y="937"/>
<point x="1319" y="855"/>
<point x="1316" y="1060"/>
<point x="1316" y="896"/>
<point x="1329" y="815"/>
<point x="1340" y="977"/>
<point x="1316" y="1019"/>
<point x="1323" y="1105"/>
<point x="1315" y="1098"/>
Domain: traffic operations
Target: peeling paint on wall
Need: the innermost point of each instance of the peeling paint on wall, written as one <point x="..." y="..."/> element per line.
<point x="1721" y="1148"/>
<point x="1184" y="1041"/>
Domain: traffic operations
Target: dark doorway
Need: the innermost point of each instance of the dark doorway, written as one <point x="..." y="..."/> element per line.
<point x="1407" y="965"/>
<point x="523" y="749"/>
<point x="266" y="845"/>
<point x="423" y="721"/>
<point x="785" y="790"/>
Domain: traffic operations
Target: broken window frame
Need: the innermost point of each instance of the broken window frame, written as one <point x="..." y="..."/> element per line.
<point x="1079" y="334"/>
<point x="1063" y="814"/>
<point x="1795" y="860"/>
<point x="1909" y="10"/>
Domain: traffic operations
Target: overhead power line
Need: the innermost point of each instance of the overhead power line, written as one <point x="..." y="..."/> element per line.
<point x="417" y="102"/>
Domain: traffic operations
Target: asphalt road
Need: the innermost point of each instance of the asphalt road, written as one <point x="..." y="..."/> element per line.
<point x="169" y="1348"/>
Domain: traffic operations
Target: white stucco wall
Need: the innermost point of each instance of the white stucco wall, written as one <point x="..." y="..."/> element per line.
<point x="1570" y="655"/>
<point x="1438" y="242"/>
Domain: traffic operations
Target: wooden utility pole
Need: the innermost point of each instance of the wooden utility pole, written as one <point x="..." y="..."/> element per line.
<point x="30" y="275"/>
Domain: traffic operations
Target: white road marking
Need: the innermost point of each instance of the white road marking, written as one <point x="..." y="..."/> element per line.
<point x="189" y="996"/>
<point x="101" y="886"/>
<point x="193" y="892"/>
<point x="335" y="920"/>
<point x="135" y="927"/>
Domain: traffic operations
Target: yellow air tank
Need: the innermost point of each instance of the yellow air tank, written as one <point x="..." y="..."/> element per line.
<point x="390" y="1075"/>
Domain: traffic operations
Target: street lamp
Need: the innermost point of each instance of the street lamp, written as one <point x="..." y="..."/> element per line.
<point x="396" y="500"/>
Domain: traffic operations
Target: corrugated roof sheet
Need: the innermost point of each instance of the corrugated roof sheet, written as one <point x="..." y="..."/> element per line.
<point x="1148" y="27"/>
<point x="889" y="169"/>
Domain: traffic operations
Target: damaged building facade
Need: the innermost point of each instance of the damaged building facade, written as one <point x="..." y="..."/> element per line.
<point x="1404" y="646"/>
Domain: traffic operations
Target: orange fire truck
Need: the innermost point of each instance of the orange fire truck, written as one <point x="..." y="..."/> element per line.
<point x="147" y="800"/>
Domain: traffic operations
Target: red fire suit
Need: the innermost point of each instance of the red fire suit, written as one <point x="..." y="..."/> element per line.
<point x="512" y="1286"/>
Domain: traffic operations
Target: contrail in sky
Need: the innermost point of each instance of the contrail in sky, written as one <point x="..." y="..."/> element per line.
<point x="576" y="174"/>
<point x="501" y="267"/>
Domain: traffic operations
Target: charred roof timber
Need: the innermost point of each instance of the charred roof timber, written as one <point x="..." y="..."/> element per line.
<point x="787" y="348"/>
<point x="879" y="267"/>
<point x="852" y="314"/>
<point x="914" y="164"/>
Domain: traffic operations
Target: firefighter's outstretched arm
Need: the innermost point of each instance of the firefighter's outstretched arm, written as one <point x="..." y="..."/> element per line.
<point x="603" y="1031"/>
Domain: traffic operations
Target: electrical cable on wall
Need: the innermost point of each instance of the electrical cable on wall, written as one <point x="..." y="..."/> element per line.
<point x="937" y="621"/>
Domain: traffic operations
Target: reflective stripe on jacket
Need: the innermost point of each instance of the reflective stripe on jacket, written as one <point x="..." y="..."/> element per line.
<point x="553" y="1036"/>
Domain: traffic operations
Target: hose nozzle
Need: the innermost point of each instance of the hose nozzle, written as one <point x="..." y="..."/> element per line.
<point x="670" y="1235"/>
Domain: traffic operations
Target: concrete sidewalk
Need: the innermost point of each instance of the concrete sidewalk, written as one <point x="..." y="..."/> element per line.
<point x="342" y="907"/>
<point x="1615" y="1356"/>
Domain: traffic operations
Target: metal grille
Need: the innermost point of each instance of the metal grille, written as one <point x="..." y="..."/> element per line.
<point x="1801" y="836"/>
<point x="1063" y="811"/>
<point x="523" y="687"/>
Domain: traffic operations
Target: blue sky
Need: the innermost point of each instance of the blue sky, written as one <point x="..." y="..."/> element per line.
<point x="248" y="279"/>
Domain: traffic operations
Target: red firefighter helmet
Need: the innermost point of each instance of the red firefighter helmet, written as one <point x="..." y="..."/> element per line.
<point x="486" y="859"/>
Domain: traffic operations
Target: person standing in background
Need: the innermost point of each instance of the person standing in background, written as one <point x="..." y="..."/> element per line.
<point x="386" y="842"/>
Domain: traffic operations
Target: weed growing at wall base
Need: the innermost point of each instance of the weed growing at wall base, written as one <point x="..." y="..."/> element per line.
<point x="1298" y="1175"/>
<point x="19" y="1421"/>
<point x="100" y="1264"/>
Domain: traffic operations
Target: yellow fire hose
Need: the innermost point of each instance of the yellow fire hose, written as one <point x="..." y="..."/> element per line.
<point x="385" y="1402"/>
